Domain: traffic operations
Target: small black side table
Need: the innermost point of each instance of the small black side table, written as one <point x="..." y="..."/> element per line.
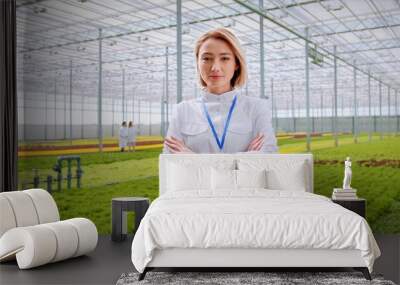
<point x="357" y="205"/>
<point x="120" y="207"/>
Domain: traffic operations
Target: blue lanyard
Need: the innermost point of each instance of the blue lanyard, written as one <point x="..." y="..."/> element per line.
<point x="228" y="119"/>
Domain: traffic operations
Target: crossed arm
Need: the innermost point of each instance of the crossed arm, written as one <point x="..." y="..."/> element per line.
<point x="264" y="141"/>
<point x="178" y="146"/>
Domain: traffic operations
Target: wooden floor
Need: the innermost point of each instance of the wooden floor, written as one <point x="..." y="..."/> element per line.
<point x="110" y="260"/>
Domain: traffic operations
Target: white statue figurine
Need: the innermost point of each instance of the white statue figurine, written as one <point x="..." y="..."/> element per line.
<point x="347" y="174"/>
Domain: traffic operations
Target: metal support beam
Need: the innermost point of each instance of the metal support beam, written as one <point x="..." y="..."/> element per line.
<point x="82" y="115"/>
<point x="342" y="105"/>
<point x="287" y="113"/>
<point x="321" y="111"/>
<point x="65" y="116"/>
<point x="307" y="71"/>
<point x="262" y="72"/>
<point x="133" y="106"/>
<point x="166" y="89"/>
<point x="150" y="118"/>
<point x="389" y="113"/>
<point x="293" y="115"/>
<point x="162" y="129"/>
<point x="389" y="103"/>
<point x="139" y="126"/>
<point x="100" y="95"/>
<point x="276" y="113"/>
<point x="312" y="111"/>
<point x="179" y="51"/>
<point x="45" y="117"/>
<point x="55" y="106"/>
<point x="355" y="104"/>
<point x="120" y="111"/>
<point x="255" y="9"/>
<point x="369" y="109"/>
<point x="274" y="119"/>
<point x="396" y="111"/>
<point x="70" y="101"/>
<point x="112" y="116"/>
<point x="335" y="99"/>
<point x="333" y="115"/>
<point x="380" y="110"/>
<point x="167" y="27"/>
<point x="123" y="96"/>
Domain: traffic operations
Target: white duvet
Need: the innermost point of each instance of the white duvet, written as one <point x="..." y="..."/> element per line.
<point x="250" y="219"/>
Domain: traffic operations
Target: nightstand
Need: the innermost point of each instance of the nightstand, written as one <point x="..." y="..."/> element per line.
<point x="119" y="216"/>
<point x="356" y="205"/>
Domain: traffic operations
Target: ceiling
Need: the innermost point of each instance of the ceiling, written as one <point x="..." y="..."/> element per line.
<point x="59" y="39"/>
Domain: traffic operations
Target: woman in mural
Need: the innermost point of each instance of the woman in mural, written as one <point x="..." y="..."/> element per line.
<point x="221" y="120"/>
<point x="131" y="136"/>
<point x="123" y="136"/>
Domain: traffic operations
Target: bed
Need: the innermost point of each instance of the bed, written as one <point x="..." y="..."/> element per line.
<point x="247" y="210"/>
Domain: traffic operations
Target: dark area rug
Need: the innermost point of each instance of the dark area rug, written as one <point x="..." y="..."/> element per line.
<point x="269" y="278"/>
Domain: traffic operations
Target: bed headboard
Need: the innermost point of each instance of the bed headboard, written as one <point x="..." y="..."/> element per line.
<point x="212" y="159"/>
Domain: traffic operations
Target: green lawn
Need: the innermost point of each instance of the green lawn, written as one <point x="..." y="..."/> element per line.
<point x="99" y="169"/>
<point x="117" y="174"/>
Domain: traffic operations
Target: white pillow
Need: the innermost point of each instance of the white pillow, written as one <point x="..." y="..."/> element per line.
<point x="282" y="174"/>
<point x="183" y="177"/>
<point x="287" y="176"/>
<point x="251" y="178"/>
<point x="223" y="179"/>
<point x="193" y="172"/>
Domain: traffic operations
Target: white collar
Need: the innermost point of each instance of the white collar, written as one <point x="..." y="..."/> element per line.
<point x="224" y="97"/>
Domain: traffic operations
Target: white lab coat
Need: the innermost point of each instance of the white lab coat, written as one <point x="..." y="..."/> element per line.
<point x="123" y="136"/>
<point x="250" y="117"/>
<point x="131" y="135"/>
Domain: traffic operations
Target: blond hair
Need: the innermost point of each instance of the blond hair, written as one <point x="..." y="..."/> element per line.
<point x="240" y="76"/>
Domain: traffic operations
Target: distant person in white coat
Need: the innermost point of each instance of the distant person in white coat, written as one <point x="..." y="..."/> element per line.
<point x="222" y="120"/>
<point x="131" y="136"/>
<point x="123" y="136"/>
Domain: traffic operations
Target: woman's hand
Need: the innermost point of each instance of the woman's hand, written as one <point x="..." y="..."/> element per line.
<point x="177" y="146"/>
<point x="257" y="143"/>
